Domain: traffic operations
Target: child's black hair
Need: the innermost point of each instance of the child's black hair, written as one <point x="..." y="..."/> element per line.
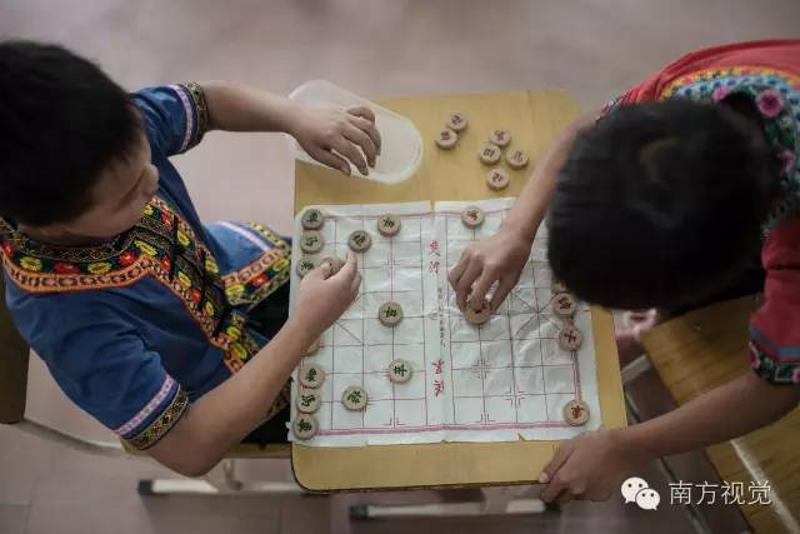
<point x="62" y="121"/>
<point x="660" y="203"/>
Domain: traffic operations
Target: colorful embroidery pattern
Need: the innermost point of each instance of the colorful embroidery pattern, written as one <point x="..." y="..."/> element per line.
<point x="167" y="388"/>
<point x="717" y="73"/>
<point x="771" y="370"/>
<point x="162" y="424"/>
<point x="256" y="281"/>
<point x="201" y="110"/>
<point x="163" y="246"/>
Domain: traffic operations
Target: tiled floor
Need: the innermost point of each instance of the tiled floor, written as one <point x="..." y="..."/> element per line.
<point x="382" y="47"/>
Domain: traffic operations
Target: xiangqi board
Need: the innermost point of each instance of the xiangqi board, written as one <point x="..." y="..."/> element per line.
<point x="505" y="379"/>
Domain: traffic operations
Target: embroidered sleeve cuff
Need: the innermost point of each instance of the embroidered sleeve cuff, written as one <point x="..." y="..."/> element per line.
<point x="157" y="417"/>
<point x="775" y="372"/>
<point x="194" y="105"/>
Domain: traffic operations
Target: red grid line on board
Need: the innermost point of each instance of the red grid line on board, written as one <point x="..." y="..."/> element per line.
<point x="424" y="326"/>
<point x="363" y="334"/>
<point x="333" y="340"/>
<point x="449" y="322"/>
<point x="386" y="399"/>
<point x="391" y="297"/>
<point x="434" y="428"/>
<point x="334" y="373"/>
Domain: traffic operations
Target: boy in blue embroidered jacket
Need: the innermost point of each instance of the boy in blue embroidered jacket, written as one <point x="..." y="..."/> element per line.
<point x="138" y="309"/>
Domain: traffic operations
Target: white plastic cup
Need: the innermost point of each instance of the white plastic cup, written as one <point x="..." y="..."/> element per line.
<point x="401" y="142"/>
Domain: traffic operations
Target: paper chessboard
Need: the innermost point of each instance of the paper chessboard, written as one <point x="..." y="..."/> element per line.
<point x="505" y="380"/>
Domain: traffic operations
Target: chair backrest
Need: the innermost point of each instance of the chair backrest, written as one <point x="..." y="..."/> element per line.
<point x="14" y="354"/>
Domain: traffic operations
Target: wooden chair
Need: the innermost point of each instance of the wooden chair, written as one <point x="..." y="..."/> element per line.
<point x="707" y="348"/>
<point x="14" y="358"/>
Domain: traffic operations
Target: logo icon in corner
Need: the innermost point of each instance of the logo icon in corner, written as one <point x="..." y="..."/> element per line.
<point x="637" y="490"/>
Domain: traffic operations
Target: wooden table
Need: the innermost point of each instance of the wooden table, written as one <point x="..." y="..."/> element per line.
<point x="705" y="349"/>
<point x="534" y="118"/>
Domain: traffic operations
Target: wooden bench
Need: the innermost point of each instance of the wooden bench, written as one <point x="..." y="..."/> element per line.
<point x="705" y="349"/>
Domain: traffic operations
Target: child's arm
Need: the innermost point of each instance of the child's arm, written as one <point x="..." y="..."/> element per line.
<point x="328" y="135"/>
<point x="502" y="257"/>
<point x="222" y="417"/>
<point x="591" y="466"/>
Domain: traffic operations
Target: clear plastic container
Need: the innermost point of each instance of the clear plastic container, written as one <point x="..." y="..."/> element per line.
<point x="401" y="142"/>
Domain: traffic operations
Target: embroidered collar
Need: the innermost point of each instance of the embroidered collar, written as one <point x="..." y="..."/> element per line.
<point x="776" y="95"/>
<point x="159" y="228"/>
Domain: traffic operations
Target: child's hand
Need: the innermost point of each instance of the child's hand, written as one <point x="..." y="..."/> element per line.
<point x="331" y="135"/>
<point x="590" y="466"/>
<point x="325" y="295"/>
<point x="499" y="258"/>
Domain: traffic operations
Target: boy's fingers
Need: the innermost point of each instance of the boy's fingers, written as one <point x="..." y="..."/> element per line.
<point x="363" y="140"/>
<point x="565" y="497"/>
<point x="356" y="283"/>
<point x="349" y="271"/>
<point x="550" y="470"/>
<point x="319" y="273"/>
<point x="349" y="151"/>
<point x="478" y="298"/>
<point x="368" y="128"/>
<point x="505" y="287"/>
<point x="455" y="273"/>
<point x="363" y="112"/>
<point x="332" y="160"/>
<point x="552" y="491"/>
<point x="465" y="284"/>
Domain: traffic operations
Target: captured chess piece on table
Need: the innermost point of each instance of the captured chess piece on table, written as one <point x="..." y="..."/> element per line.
<point x="446" y="139"/>
<point x="490" y="154"/>
<point x="457" y="122"/>
<point x="497" y="179"/>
